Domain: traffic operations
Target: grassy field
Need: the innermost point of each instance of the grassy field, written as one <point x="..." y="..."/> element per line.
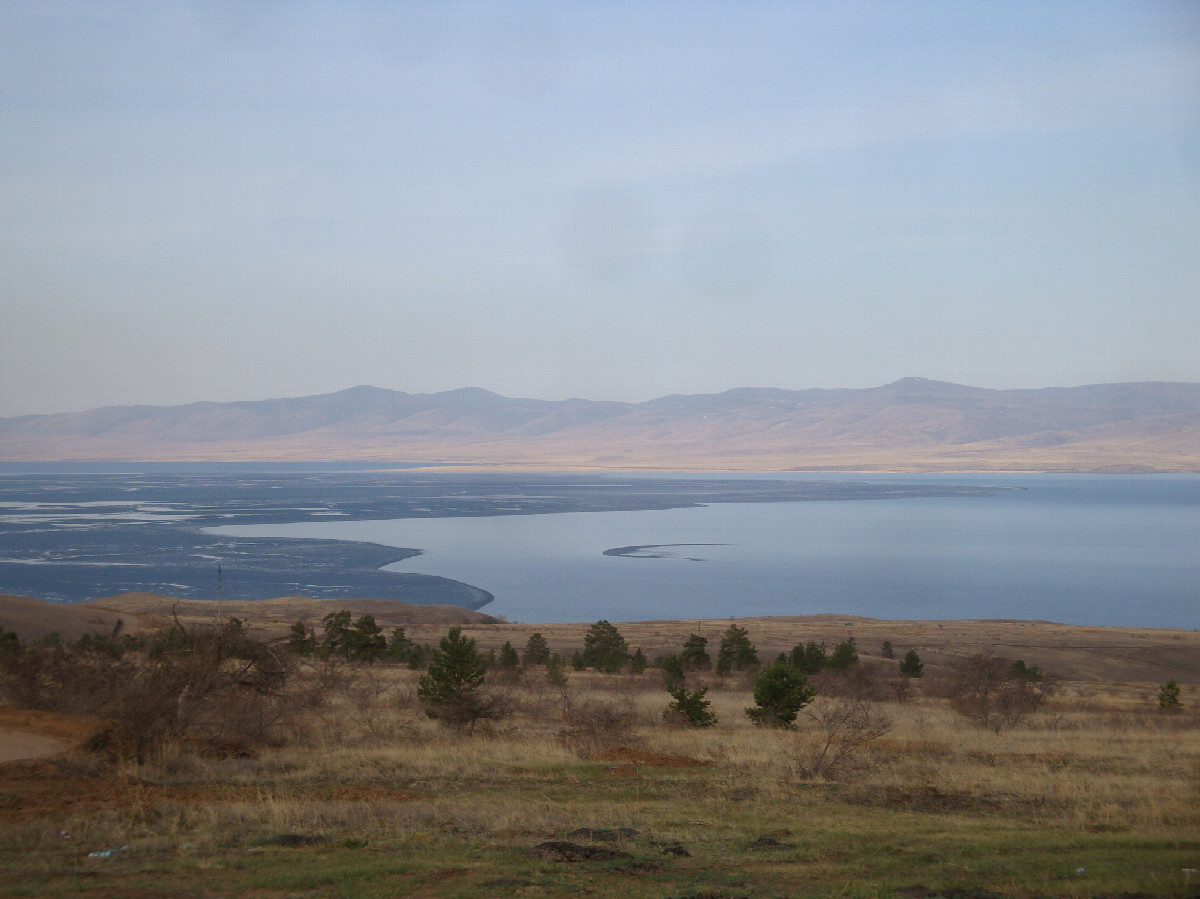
<point x="586" y="789"/>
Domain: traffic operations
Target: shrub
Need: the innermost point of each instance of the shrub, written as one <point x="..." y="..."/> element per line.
<point x="1168" y="697"/>
<point x="10" y="643"/>
<point x="1018" y="670"/>
<point x="844" y="730"/>
<point x="592" y="727"/>
<point x="779" y="694"/>
<point x="865" y="681"/>
<point x="689" y="707"/>
<point x="218" y="684"/>
<point x="984" y="689"/>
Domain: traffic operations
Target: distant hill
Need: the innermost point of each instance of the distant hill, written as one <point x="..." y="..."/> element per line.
<point x="912" y="424"/>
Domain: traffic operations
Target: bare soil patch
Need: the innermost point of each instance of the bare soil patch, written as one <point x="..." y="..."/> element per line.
<point x="19" y="744"/>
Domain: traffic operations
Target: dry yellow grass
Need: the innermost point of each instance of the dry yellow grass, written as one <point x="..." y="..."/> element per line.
<point x="1089" y="760"/>
<point x="1096" y="774"/>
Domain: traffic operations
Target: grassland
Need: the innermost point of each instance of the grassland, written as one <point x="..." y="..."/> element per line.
<point x="586" y="789"/>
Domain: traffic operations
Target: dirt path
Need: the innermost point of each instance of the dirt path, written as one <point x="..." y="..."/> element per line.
<point x="19" y="744"/>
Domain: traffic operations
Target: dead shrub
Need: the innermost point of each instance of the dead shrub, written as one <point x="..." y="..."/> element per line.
<point x="993" y="692"/>
<point x="837" y="743"/>
<point x="215" y="684"/>
<point x="865" y="682"/>
<point x="592" y="726"/>
<point x="66" y="679"/>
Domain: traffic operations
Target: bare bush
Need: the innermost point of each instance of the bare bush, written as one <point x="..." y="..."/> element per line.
<point x="58" y="678"/>
<point x="994" y="693"/>
<point x="592" y="726"/>
<point x="865" y="681"/>
<point x="217" y="684"/>
<point x="837" y="743"/>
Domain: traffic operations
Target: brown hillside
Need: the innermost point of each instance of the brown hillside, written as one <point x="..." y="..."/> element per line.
<point x="274" y="616"/>
<point x="34" y="618"/>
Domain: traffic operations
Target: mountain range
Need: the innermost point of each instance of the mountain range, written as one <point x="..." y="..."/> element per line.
<point x="913" y="424"/>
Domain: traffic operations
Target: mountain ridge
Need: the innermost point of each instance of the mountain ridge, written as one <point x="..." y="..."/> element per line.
<point x="912" y="423"/>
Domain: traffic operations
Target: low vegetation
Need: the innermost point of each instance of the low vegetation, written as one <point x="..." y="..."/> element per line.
<point x="210" y="761"/>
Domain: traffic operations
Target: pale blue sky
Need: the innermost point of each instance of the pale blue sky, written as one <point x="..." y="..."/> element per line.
<point x="611" y="200"/>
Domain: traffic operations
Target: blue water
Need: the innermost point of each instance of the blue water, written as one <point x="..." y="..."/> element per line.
<point x="1080" y="549"/>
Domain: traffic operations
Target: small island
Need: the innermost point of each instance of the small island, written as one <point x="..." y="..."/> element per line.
<point x="648" y="551"/>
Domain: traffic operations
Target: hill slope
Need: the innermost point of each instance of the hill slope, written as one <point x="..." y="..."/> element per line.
<point x="911" y="424"/>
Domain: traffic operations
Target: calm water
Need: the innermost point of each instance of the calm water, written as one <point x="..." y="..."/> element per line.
<point x="1115" y="550"/>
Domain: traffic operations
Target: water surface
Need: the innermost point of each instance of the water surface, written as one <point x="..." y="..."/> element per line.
<point x="1082" y="549"/>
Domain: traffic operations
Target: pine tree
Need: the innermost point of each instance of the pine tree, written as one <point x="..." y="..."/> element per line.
<point x="694" y="654"/>
<point x="779" y="694"/>
<point x="638" y="663"/>
<point x="337" y="630"/>
<point x="301" y="641"/>
<point x="844" y="656"/>
<point x="449" y="689"/>
<point x="364" y="641"/>
<point x="809" y="658"/>
<point x="399" y="647"/>
<point x="604" y="648"/>
<point x="736" y="652"/>
<point x="537" y="650"/>
<point x="673" y="673"/>
<point x="556" y="671"/>
<point x="690" y="706"/>
<point x="509" y="660"/>
<point x="912" y="666"/>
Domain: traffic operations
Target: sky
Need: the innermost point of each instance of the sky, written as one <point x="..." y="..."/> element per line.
<point x="611" y="200"/>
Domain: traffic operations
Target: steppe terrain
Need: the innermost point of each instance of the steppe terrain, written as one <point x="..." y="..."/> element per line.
<point x="580" y="785"/>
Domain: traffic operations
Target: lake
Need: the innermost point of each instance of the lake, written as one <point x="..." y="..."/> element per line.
<point x="1081" y="549"/>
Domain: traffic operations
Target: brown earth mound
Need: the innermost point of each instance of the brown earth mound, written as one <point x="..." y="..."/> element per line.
<point x="34" y="618"/>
